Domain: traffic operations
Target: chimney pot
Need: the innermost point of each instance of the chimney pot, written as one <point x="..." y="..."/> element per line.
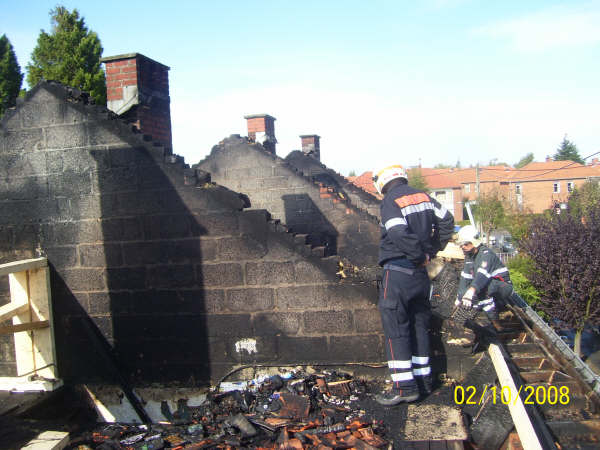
<point x="261" y="129"/>
<point x="549" y="158"/>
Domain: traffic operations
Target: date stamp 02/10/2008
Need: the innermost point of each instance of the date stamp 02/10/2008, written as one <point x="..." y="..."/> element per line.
<point x="530" y="395"/>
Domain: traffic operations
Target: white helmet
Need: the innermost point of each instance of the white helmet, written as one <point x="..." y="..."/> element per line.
<point x="387" y="174"/>
<point x="468" y="233"/>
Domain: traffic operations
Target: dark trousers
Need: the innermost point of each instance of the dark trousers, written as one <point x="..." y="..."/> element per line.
<point x="405" y="314"/>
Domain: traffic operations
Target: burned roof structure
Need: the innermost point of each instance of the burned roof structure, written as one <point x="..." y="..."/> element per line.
<point x="162" y="273"/>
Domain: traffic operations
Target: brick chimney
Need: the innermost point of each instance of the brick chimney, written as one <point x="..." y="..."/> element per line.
<point x="138" y="90"/>
<point x="261" y="129"/>
<point x="311" y="145"/>
<point x="595" y="162"/>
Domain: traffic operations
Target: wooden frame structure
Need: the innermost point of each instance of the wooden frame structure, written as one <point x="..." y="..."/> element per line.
<point x="30" y="308"/>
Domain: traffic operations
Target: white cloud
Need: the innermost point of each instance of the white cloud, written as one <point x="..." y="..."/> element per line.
<point x="559" y="26"/>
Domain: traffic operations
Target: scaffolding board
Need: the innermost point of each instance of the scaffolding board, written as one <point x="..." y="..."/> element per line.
<point x="30" y="309"/>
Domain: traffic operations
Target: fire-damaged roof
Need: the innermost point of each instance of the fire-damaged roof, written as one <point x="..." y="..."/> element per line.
<point x="137" y="281"/>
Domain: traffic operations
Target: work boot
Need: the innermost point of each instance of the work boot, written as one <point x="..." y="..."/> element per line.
<point x="424" y="384"/>
<point x="396" y="396"/>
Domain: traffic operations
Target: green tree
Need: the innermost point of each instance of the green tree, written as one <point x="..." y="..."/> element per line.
<point x="524" y="160"/>
<point x="352" y="173"/>
<point x="69" y="54"/>
<point x="521" y="268"/>
<point x="567" y="152"/>
<point x="442" y="166"/>
<point x="583" y="199"/>
<point x="11" y="77"/>
<point x="417" y="180"/>
<point x="489" y="212"/>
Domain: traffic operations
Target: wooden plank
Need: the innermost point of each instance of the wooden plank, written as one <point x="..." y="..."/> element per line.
<point x="20" y="266"/>
<point x="11" y="309"/>
<point x="48" y="440"/>
<point x="517" y="409"/>
<point x="24" y="327"/>
<point x="35" y="349"/>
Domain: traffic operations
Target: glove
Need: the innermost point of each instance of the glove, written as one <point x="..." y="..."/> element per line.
<point x="467" y="300"/>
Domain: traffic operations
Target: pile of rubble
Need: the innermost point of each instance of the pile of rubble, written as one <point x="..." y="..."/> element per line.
<point x="289" y="410"/>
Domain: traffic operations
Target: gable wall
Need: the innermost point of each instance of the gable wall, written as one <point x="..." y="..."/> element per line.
<point x="161" y="271"/>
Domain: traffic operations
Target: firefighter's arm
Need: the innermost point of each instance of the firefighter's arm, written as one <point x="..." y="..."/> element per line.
<point x="407" y="242"/>
<point x="444" y="222"/>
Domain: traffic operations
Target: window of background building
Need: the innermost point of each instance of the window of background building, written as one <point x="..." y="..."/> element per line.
<point x="518" y="189"/>
<point x="440" y="196"/>
<point x="556" y="187"/>
<point x="467" y="188"/>
<point x="570" y="186"/>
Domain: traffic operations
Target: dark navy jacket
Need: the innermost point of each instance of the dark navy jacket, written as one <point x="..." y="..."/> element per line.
<point x="412" y="225"/>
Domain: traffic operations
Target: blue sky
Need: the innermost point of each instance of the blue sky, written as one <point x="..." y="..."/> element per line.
<point x="384" y="81"/>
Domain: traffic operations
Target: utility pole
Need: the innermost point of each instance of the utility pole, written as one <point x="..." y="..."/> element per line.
<point x="477" y="180"/>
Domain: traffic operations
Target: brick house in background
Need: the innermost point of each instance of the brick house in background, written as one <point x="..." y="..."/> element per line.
<point x="536" y="187"/>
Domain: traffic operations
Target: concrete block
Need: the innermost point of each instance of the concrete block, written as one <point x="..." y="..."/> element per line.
<point x="223" y="224"/>
<point x="166" y="226"/>
<point x="114" y="303"/>
<point x="297" y="350"/>
<point x="126" y="278"/>
<point x="127" y="229"/>
<point x="103" y="255"/>
<point x="249" y="300"/>
<point x="256" y="349"/>
<point x="366" y="348"/>
<point x="138" y="203"/>
<point x="66" y="136"/>
<point x="115" y="180"/>
<point x="212" y="275"/>
<point x="70" y="184"/>
<point x="188" y="250"/>
<point x="328" y="322"/>
<point x="106" y="132"/>
<point x="227" y="325"/>
<point x="84" y="279"/>
<point x="239" y="248"/>
<point x="145" y="253"/>
<point x="267" y="273"/>
<point x="200" y="301"/>
<point x="274" y="324"/>
<point x="24" y="188"/>
<point x="90" y="231"/>
<point x="23" y="164"/>
<point x="306" y="272"/>
<point x="171" y="276"/>
<point x="62" y="256"/>
<point x="300" y="297"/>
<point x="367" y="320"/>
<point x="158" y="302"/>
<point x="20" y="141"/>
<point x="351" y="296"/>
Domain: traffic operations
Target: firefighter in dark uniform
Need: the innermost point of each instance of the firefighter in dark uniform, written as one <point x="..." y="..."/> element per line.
<point x="414" y="227"/>
<point x="484" y="282"/>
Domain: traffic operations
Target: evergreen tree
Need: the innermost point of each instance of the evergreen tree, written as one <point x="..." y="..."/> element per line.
<point x="567" y="152"/>
<point x="69" y="54"/>
<point x="10" y="75"/>
<point x="524" y="160"/>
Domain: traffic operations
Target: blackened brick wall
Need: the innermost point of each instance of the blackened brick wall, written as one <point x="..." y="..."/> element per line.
<point x="167" y="277"/>
<point x="303" y="204"/>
